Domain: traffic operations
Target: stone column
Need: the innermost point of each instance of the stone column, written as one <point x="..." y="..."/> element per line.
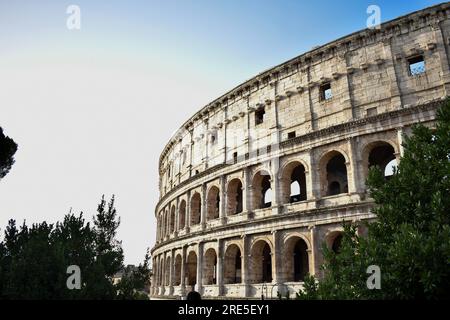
<point x="275" y="184"/>
<point x="183" y="270"/>
<point x="354" y="174"/>
<point x="203" y="207"/>
<point x="245" y="265"/>
<point x="276" y="262"/>
<point x="313" y="188"/>
<point x="246" y="192"/>
<point x="396" y="96"/>
<point x="400" y="141"/>
<point x="191" y="152"/>
<point x="443" y="56"/>
<point x="171" y="271"/>
<point x="187" y="221"/>
<point x="206" y="158"/>
<point x="312" y="253"/>
<point x="225" y="125"/>
<point x="223" y="200"/>
<point x="219" y="269"/>
<point x="198" y="285"/>
<point x="177" y="217"/>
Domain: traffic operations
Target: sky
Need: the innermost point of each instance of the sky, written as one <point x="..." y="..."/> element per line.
<point x="92" y="108"/>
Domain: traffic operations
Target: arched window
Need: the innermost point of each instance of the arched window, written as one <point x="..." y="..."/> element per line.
<point x="234" y="197"/>
<point x="195" y="208"/>
<point x="210" y="267"/>
<point x="232" y="265"/>
<point x="182" y="215"/>
<point x="167" y="272"/>
<point x="293" y="183"/>
<point x="172" y="219"/>
<point x="261" y="262"/>
<point x="334" y="176"/>
<point x="297" y="260"/>
<point x="213" y="203"/>
<point x="177" y="271"/>
<point x="262" y="191"/>
<point x="191" y="269"/>
<point x="382" y="155"/>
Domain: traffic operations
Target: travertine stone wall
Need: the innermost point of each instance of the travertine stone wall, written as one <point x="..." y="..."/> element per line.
<point x="276" y="125"/>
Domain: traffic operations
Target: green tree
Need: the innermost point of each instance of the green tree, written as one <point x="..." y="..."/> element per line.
<point x="34" y="260"/>
<point x="133" y="283"/>
<point x="7" y="150"/>
<point x="410" y="240"/>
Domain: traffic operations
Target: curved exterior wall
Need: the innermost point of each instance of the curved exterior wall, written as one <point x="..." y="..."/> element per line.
<point x="219" y="231"/>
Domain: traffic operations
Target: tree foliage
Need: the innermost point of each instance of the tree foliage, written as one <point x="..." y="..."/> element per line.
<point x="34" y="260"/>
<point x="410" y="239"/>
<point x="7" y="150"/>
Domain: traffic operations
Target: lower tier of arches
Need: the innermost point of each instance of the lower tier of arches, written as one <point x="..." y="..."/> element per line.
<point x="264" y="261"/>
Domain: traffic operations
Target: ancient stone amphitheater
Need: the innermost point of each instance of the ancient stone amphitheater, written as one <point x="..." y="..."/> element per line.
<point x="256" y="182"/>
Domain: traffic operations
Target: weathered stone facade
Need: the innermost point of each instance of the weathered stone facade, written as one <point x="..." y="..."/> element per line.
<point x="255" y="182"/>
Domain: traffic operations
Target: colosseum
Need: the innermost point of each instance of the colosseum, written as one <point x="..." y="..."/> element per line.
<point x="255" y="183"/>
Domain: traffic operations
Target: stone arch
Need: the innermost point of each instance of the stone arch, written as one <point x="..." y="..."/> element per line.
<point x="191" y="268"/>
<point x="333" y="239"/>
<point x="232" y="267"/>
<point x="167" y="271"/>
<point x="166" y="222"/>
<point x="234" y="196"/>
<point x="161" y="271"/>
<point x="334" y="173"/>
<point x="177" y="270"/>
<point x="213" y="203"/>
<point x="293" y="182"/>
<point x="380" y="153"/>
<point x="261" y="263"/>
<point x="262" y="189"/>
<point x="182" y="215"/>
<point x="210" y="267"/>
<point x="195" y="209"/>
<point x="172" y="219"/>
<point x="296" y="258"/>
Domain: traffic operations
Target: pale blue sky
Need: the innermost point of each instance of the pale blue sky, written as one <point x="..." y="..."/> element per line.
<point x="92" y="109"/>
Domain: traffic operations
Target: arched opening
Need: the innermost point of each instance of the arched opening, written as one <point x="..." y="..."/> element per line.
<point x="262" y="191"/>
<point x="182" y="215"/>
<point x="167" y="272"/>
<point x="261" y="262"/>
<point x="336" y="245"/>
<point x="234" y="197"/>
<point x="172" y="219"/>
<point x="210" y="267"/>
<point x="293" y="183"/>
<point x="195" y="208"/>
<point x="335" y="179"/>
<point x="191" y="269"/>
<point x="166" y="223"/>
<point x="177" y="271"/>
<point x="233" y="265"/>
<point x="296" y="259"/>
<point x="382" y="155"/>
<point x="213" y="203"/>
<point x="334" y="188"/>
<point x="161" y="271"/>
